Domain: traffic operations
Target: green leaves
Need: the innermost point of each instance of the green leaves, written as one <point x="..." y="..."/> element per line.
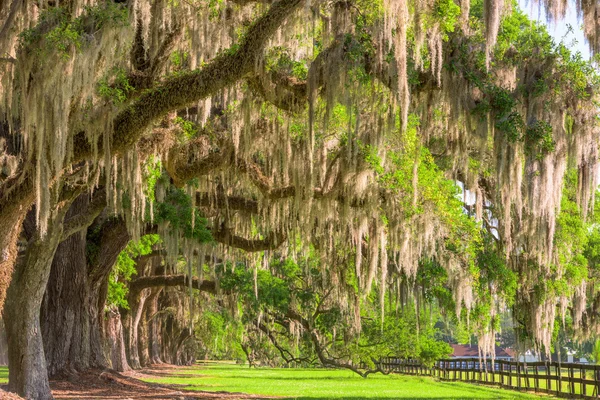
<point x="447" y="13"/>
<point x="115" y="87"/>
<point x="177" y="209"/>
<point x="58" y="32"/>
<point x="124" y="269"/>
<point x="539" y="140"/>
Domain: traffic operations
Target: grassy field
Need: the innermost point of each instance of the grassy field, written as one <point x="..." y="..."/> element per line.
<point x="326" y="384"/>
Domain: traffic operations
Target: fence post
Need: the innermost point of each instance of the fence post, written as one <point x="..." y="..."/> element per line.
<point x="596" y="383"/>
<point x="518" y="375"/>
<point x="571" y="380"/>
<point x="526" y="369"/>
<point x="510" y="376"/>
<point x="559" y="375"/>
<point x="548" y="381"/>
<point x="583" y="376"/>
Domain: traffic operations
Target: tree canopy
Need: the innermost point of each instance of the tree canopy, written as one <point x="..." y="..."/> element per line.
<point x="317" y="174"/>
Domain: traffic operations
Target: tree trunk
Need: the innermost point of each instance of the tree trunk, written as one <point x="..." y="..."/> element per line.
<point x="115" y="342"/>
<point x="11" y="219"/>
<point x="154" y="331"/>
<point x="144" y="329"/>
<point x="3" y="345"/>
<point x="72" y="340"/>
<point x="27" y="363"/>
<point x="73" y="306"/>
<point x="136" y="304"/>
<point x="143" y="349"/>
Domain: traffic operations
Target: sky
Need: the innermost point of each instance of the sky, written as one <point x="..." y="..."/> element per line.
<point x="559" y="30"/>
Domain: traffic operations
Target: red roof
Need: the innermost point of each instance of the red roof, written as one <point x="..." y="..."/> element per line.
<point x="465" y="350"/>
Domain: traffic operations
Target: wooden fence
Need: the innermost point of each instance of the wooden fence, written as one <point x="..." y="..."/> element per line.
<point x="569" y="380"/>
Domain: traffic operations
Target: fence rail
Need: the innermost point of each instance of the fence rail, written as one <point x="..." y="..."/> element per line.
<point x="569" y="380"/>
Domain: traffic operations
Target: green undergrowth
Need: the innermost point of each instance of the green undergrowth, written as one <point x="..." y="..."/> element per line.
<point x="325" y="384"/>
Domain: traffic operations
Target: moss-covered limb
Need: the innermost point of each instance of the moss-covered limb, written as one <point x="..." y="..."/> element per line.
<point x="165" y="49"/>
<point x="84" y="219"/>
<point x="222" y="201"/>
<point x="183" y="89"/>
<point x="139" y="284"/>
<point x="113" y="238"/>
<point x="280" y="97"/>
<point x="271" y="242"/>
<point x="146" y="70"/>
<point x="184" y="162"/>
<point x="15" y="8"/>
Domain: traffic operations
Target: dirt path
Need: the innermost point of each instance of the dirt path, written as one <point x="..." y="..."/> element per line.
<point x="96" y="385"/>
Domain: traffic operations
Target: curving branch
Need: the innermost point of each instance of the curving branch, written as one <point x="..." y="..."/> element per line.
<point x="183" y="89"/>
<point x="196" y="158"/>
<point x="84" y="219"/>
<point x="287" y="356"/>
<point x="139" y="284"/>
<point x="320" y="349"/>
<point x="222" y="201"/>
<point x="284" y="92"/>
<point x="271" y="242"/>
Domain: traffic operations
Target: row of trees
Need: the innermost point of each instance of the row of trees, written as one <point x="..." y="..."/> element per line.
<point x="297" y="163"/>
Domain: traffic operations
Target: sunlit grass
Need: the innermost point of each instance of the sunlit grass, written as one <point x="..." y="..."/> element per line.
<point x="325" y="384"/>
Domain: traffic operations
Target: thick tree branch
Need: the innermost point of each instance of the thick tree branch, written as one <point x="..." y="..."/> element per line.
<point x="83" y="220"/>
<point x="272" y="241"/>
<point x="181" y="90"/>
<point x="138" y="284"/>
<point x="287" y="94"/>
<point x="196" y="158"/>
<point x="15" y="7"/>
<point x="221" y="201"/>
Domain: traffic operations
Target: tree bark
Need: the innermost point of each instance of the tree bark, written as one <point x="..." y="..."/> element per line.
<point x="154" y="331"/>
<point x="11" y="219"/>
<point x="139" y="284"/>
<point x="3" y="345"/>
<point x="145" y="338"/>
<point x="133" y="316"/>
<point x="27" y="364"/>
<point x="73" y="306"/>
<point x="72" y="340"/>
<point x="115" y="341"/>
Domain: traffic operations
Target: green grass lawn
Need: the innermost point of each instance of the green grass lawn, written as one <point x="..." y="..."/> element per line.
<point x="3" y="375"/>
<point x="326" y="384"/>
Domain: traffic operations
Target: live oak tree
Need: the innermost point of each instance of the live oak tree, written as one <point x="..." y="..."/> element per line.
<point x="341" y="125"/>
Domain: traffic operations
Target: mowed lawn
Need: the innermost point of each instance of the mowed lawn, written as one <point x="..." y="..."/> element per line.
<point x="325" y="384"/>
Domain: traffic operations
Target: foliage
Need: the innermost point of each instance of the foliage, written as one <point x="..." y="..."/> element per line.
<point x="115" y="87"/>
<point x="178" y="211"/>
<point x="57" y="31"/>
<point x="293" y="292"/>
<point x="124" y="269"/>
<point x="219" y="335"/>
